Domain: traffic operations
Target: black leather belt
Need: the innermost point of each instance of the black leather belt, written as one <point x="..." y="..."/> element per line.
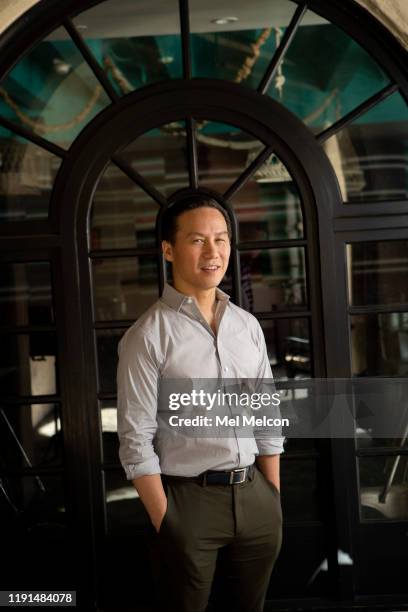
<point x="214" y="477"/>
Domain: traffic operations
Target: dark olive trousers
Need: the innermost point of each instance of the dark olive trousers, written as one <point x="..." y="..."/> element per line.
<point x="245" y="520"/>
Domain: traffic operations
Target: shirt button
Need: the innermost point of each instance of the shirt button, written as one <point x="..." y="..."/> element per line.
<point x="189" y="300"/>
<point x="225" y="369"/>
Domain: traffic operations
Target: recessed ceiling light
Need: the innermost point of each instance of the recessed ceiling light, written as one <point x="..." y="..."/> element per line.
<point x="60" y="66"/>
<point x="167" y="59"/>
<point x="81" y="26"/>
<point x="224" y="20"/>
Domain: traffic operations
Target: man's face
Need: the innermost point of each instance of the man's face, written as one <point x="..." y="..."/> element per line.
<point x="201" y="250"/>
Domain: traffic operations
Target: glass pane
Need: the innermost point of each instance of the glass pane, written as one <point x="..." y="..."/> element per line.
<point x="124" y="287"/>
<point x="110" y="441"/>
<point x="38" y="497"/>
<point x="52" y="90"/>
<point x="107" y="346"/>
<point x="137" y="43"/>
<point x="160" y="156"/>
<point x="27" y="175"/>
<point x="299" y="480"/>
<point x="288" y="345"/>
<point x="124" y="508"/>
<point x="224" y="151"/>
<point x="28" y="364"/>
<point x="273" y="279"/>
<point x="380" y="344"/>
<point x="122" y="216"/>
<point x="384" y="487"/>
<point x="369" y="156"/>
<point x="30" y="436"/>
<point x="25" y="294"/>
<point x="367" y="439"/>
<point x="268" y="206"/>
<point x="325" y="74"/>
<point x="236" y="41"/>
<point x="378" y="272"/>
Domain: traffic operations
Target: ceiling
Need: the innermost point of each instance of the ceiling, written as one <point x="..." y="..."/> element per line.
<point x="144" y="17"/>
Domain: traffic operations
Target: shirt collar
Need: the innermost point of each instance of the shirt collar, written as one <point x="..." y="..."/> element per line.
<point x="176" y="300"/>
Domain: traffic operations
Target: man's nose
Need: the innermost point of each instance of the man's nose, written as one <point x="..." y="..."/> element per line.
<point x="210" y="249"/>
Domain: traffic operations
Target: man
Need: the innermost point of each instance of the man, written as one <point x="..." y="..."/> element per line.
<point x="201" y="494"/>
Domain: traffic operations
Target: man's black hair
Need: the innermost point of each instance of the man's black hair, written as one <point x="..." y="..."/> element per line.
<point x="190" y="202"/>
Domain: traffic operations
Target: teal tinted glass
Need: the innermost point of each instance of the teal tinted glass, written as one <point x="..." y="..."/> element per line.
<point x="325" y="74"/>
<point x="137" y="43"/>
<point x="52" y="91"/>
<point x="236" y="41"/>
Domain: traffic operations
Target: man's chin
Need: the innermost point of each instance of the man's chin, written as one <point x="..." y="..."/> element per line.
<point x="211" y="283"/>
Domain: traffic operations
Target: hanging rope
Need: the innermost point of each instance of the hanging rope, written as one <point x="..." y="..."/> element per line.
<point x="37" y="126"/>
<point x="125" y="87"/>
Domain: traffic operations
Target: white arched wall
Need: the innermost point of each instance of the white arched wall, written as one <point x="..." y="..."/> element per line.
<point x="393" y="14"/>
<point x="10" y="10"/>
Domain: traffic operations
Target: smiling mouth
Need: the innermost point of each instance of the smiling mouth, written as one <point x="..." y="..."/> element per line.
<point x="210" y="268"/>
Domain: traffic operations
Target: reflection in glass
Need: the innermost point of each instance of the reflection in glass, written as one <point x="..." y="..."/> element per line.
<point x="273" y="279"/>
<point x="224" y="151"/>
<point x="136" y="44"/>
<point x="325" y="74"/>
<point x="268" y="206"/>
<point x="28" y="364"/>
<point x="124" y="509"/>
<point x="288" y="346"/>
<point x="30" y="436"/>
<point x="27" y="175"/>
<point x="110" y="441"/>
<point x="299" y="481"/>
<point x="107" y="346"/>
<point x="37" y="496"/>
<point x="124" y="287"/>
<point x="380" y="344"/>
<point x="369" y="156"/>
<point x="378" y="272"/>
<point x="52" y="91"/>
<point x="383" y="487"/>
<point x="123" y="216"/>
<point x="240" y="47"/>
<point x="25" y="294"/>
<point x="366" y="439"/>
<point x="160" y="156"/>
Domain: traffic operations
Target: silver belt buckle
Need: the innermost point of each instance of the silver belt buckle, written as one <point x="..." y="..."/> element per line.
<point x="243" y="472"/>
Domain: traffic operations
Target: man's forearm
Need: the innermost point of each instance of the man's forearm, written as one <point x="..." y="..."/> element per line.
<point x="151" y="492"/>
<point x="270" y="468"/>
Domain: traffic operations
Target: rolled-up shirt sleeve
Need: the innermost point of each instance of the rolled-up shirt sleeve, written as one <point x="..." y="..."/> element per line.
<point x="266" y="445"/>
<point x="137" y="382"/>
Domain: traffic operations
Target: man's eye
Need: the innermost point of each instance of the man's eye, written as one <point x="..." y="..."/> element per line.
<point x="220" y="240"/>
<point x="198" y="240"/>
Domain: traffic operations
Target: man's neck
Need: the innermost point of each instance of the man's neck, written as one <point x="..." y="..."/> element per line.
<point x="206" y="298"/>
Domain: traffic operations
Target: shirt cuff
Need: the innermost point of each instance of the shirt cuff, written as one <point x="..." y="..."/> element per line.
<point x="144" y="468"/>
<point x="273" y="446"/>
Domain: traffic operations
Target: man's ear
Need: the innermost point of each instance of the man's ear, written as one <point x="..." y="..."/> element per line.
<point x="167" y="250"/>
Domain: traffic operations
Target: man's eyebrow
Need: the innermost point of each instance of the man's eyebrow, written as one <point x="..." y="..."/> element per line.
<point x="199" y="233"/>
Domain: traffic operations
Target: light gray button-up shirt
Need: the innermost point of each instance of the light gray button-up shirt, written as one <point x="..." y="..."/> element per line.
<point x="173" y="340"/>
